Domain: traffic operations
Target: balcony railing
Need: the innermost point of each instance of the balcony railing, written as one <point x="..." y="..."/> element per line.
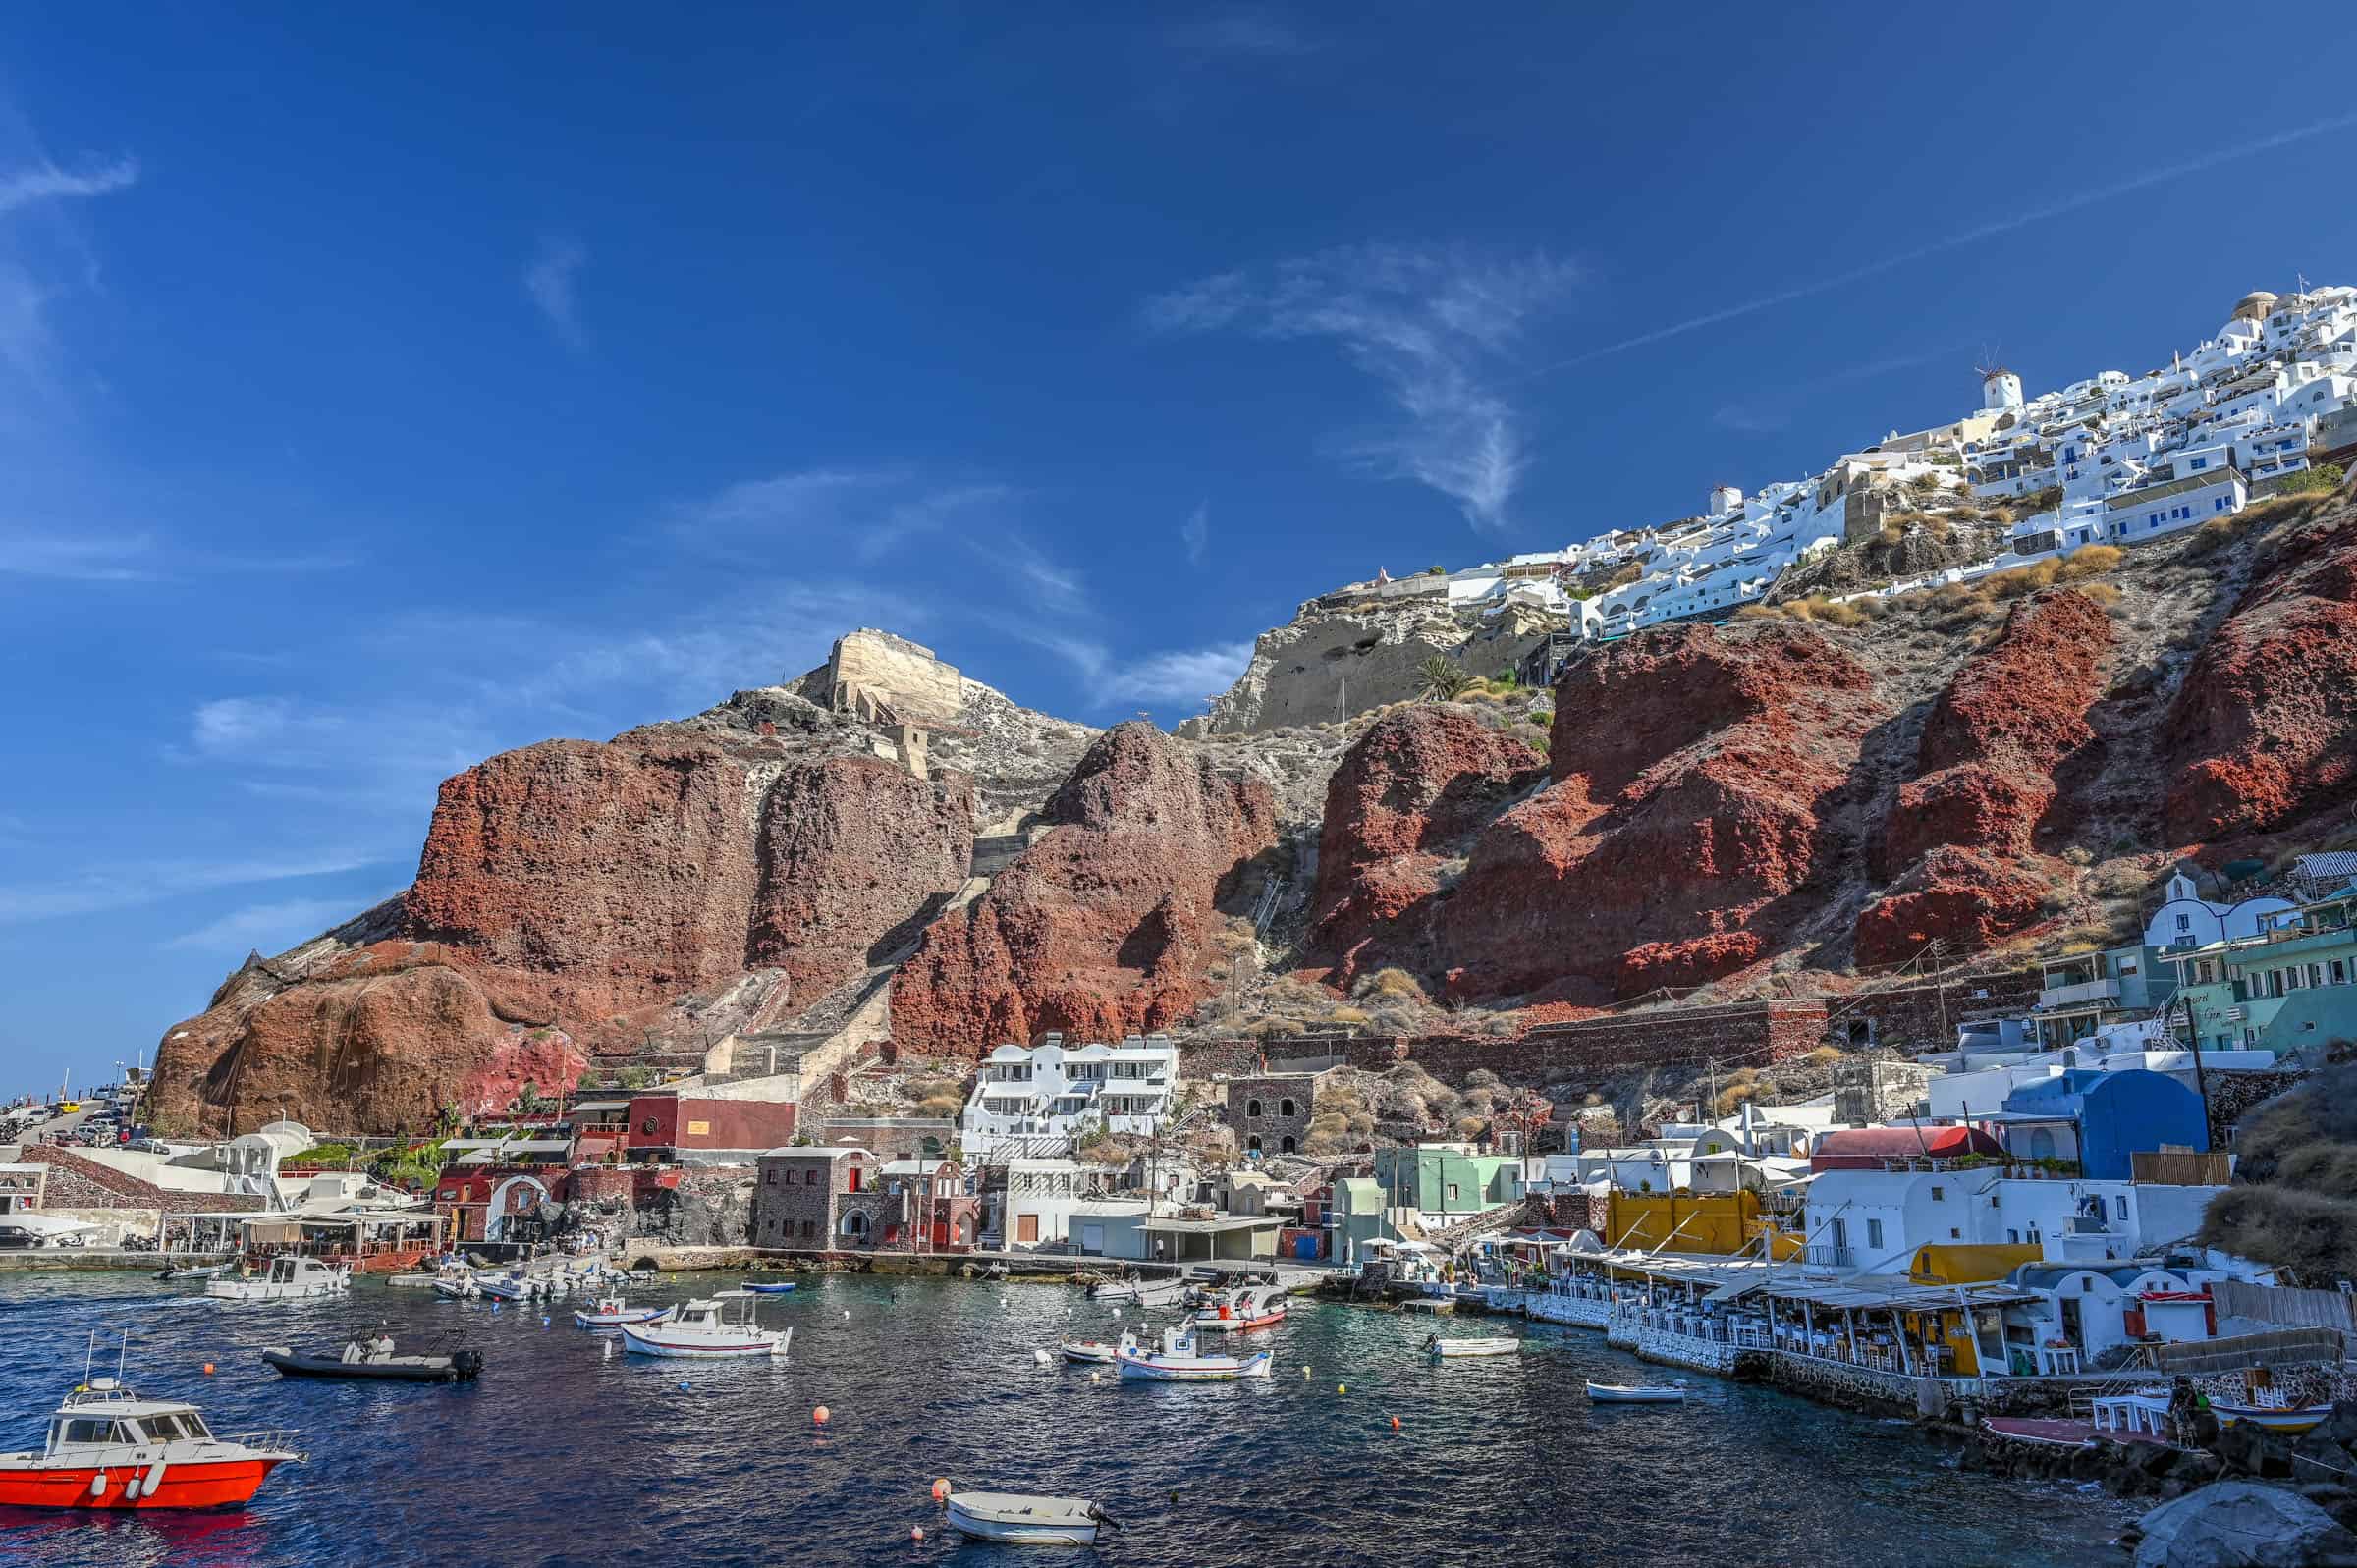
<point x="1830" y="1258"/>
<point x="2085" y="991"/>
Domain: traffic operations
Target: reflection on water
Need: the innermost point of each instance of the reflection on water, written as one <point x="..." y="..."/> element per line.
<point x="559" y="1456"/>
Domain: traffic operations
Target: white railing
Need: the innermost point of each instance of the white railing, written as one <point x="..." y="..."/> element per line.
<point x="2107" y="989"/>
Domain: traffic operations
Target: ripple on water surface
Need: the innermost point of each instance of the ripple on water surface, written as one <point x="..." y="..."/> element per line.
<point x="559" y="1456"/>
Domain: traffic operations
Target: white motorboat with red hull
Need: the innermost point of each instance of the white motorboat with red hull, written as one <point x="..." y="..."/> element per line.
<point x="1253" y="1307"/>
<point x="1176" y="1360"/>
<point x="702" y="1329"/>
<point x="109" y="1448"/>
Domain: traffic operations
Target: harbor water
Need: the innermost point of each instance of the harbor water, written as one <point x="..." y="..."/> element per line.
<point x="562" y="1455"/>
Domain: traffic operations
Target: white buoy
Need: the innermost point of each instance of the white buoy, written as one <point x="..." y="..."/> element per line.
<point x="609" y="1355"/>
<point x="1041" y="1356"/>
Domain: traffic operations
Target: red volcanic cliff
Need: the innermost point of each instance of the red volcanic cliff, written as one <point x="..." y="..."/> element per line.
<point x="571" y="891"/>
<point x="1691" y="765"/>
<point x="1415" y="787"/>
<point x="849" y="848"/>
<point x="1101" y="928"/>
<point x="2263" y="730"/>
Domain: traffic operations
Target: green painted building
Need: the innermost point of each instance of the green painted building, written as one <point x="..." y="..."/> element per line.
<point x="1447" y="1182"/>
<point x="1354" y="1217"/>
<point x="2283" y="990"/>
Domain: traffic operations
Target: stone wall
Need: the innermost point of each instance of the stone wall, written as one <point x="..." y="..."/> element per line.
<point x="1924" y="1015"/>
<point x="1743" y="1033"/>
<point x="1686" y="1350"/>
<point x="872" y="672"/>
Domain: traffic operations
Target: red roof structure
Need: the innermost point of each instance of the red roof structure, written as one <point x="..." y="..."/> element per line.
<point x="1866" y="1148"/>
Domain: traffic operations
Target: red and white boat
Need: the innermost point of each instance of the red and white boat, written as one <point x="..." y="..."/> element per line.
<point x="109" y="1448"/>
<point x="1253" y="1307"/>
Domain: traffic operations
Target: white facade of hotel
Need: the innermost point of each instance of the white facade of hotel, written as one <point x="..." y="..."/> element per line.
<point x="1034" y="1101"/>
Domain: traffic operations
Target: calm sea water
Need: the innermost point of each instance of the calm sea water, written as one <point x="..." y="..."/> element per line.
<point x="558" y="1456"/>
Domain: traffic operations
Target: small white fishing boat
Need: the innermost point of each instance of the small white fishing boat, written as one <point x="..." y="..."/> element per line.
<point x="1140" y="1292"/>
<point x="770" y="1287"/>
<point x="285" y="1279"/>
<point x="1096" y="1352"/>
<point x="205" y="1272"/>
<point x="1176" y="1360"/>
<point x="515" y="1285"/>
<point x="1015" y="1519"/>
<point x="704" y="1328"/>
<point x="1610" y="1393"/>
<point x="612" y="1312"/>
<point x="1440" y="1349"/>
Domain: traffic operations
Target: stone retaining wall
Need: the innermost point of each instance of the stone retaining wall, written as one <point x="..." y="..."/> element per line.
<point x="1686" y="1350"/>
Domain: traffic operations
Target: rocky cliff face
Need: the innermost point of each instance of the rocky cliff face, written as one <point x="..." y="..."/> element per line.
<point x="1690" y="769"/>
<point x="2263" y="730"/>
<point x="1332" y="661"/>
<point x="1966" y="767"/>
<point x="1102" y="927"/>
<point x="1406" y="802"/>
<point x="577" y="898"/>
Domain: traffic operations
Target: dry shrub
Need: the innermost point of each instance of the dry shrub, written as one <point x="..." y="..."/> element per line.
<point x="1822" y="1056"/>
<point x="2215" y="534"/>
<point x="1469" y="1127"/>
<point x="1347" y="1015"/>
<point x="1481" y="1078"/>
<point x="2103" y="593"/>
<point x="2088" y="560"/>
<point x="941" y="1106"/>
<point x="2306" y="1232"/>
<point x="1387" y="982"/>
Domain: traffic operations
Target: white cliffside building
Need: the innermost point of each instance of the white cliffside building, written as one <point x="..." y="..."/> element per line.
<point x="1033" y="1101"/>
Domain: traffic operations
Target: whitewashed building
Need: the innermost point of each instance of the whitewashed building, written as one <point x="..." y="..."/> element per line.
<point x="1034" y="1102"/>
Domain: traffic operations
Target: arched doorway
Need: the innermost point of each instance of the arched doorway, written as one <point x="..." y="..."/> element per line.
<point x="1251" y="1107"/>
<point x="854" y="1228"/>
<point x="511" y="1199"/>
<point x="1254" y="1143"/>
<point x="1286" y="1144"/>
<point x="965" y="1230"/>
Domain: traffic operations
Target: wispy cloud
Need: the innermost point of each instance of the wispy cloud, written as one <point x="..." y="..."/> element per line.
<point x="1246" y="34"/>
<point x="46" y="182"/>
<point x="1196" y="532"/>
<point x="1187" y="675"/>
<point x="291" y="734"/>
<point x="1435" y="326"/>
<point x="549" y="283"/>
<point x="94" y="889"/>
<point x="78" y="557"/>
<point x="272" y="927"/>
<point x="2042" y="213"/>
<point x="1055" y="585"/>
<point x="1770" y="409"/>
<point x="869" y="512"/>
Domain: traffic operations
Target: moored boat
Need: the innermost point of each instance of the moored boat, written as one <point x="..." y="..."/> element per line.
<point x="1176" y="1360"/>
<point x="285" y="1279"/>
<point x="1015" y="1519"/>
<point x="109" y="1448"/>
<point x="199" y="1271"/>
<point x="375" y="1365"/>
<point x="1440" y="1349"/>
<point x="1610" y="1393"/>
<point x="1096" y="1352"/>
<point x="1140" y="1292"/>
<point x="704" y="1328"/>
<point x="612" y="1312"/>
<point x="2287" y="1419"/>
<point x="1253" y="1307"/>
<point x="775" y="1287"/>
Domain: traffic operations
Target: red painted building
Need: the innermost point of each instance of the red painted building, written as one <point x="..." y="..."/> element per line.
<point x="1870" y="1148"/>
<point x="685" y="1126"/>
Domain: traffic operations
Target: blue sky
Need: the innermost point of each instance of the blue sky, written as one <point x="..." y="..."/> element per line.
<point x="380" y="390"/>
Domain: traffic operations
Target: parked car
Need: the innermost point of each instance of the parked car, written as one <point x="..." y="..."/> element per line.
<point x="152" y="1145"/>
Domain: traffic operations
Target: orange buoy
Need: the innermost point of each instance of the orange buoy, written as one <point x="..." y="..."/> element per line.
<point x="209" y="1369"/>
<point x="820" y="1414"/>
<point x="1395" y="1423"/>
<point x="916" y="1531"/>
<point x="941" y="1489"/>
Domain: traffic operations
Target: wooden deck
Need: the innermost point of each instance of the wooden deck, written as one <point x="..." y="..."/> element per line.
<point x="2059" y="1433"/>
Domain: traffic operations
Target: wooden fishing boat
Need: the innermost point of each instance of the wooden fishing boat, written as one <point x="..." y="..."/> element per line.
<point x="1610" y="1393"/>
<point x="1176" y="1360"/>
<point x="2287" y="1419"/>
<point x="1096" y="1352"/>
<point x="1015" y="1519"/>
<point x="1440" y="1349"/>
<point x="612" y="1312"/>
<point x="459" y="1366"/>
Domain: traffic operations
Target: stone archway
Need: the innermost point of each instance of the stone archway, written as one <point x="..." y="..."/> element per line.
<point x="1286" y="1144"/>
<point x="511" y="1199"/>
<point x="854" y="1226"/>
